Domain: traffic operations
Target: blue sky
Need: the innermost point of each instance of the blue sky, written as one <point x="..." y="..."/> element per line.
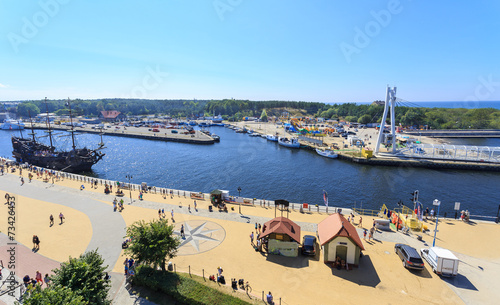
<point x="318" y="51"/>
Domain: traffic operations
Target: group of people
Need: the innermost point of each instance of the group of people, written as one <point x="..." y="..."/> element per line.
<point x="27" y="280"/>
<point x="129" y="266"/>
<point x="464" y="215"/>
<point x="370" y="233"/>
<point x="118" y="205"/>
<point x="257" y="245"/>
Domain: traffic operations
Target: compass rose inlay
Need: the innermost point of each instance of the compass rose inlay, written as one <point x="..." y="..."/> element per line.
<point x="199" y="236"/>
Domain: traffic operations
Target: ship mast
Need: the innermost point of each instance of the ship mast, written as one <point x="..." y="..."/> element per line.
<point x="32" y="130"/>
<point x="72" y="127"/>
<point x="48" y="123"/>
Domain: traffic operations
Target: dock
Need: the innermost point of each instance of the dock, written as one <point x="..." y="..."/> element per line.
<point x="141" y="133"/>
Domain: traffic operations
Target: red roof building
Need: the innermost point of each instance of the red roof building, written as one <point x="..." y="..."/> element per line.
<point x="281" y="236"/>
<point x="111" y="115"/>
<point x="286" y="229"/>
<point x="339" y="238"/>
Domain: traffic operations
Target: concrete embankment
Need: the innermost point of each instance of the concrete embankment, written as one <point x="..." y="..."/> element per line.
<point x="464" y="133"/>
<point x="408" y="163"/>
<point x="143" y="133"/>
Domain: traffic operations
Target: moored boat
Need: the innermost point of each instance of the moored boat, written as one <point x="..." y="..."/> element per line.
<point x="326" y="152"/>
<point x="10" y="124"/>
<point x="292" y="143"/>
<point x="75" y="160"/>
<point x="271" y="137"/>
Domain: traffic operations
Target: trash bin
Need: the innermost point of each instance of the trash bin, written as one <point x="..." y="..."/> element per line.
<point x="170" y="266"/>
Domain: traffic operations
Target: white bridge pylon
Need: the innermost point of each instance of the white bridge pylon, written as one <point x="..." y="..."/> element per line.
<point x="390" y="101"/>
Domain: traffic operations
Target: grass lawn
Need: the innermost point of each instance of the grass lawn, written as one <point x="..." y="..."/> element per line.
<point x="181" y="288"/>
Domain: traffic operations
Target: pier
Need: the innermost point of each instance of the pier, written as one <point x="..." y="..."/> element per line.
<point x="141" y="133"/>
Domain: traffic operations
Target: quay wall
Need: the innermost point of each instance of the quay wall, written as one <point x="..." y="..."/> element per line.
<point x="199" y="138"/>
<point x="463" y="133"/>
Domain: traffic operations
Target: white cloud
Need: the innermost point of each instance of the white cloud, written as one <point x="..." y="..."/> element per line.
<point x="3" y="86"/>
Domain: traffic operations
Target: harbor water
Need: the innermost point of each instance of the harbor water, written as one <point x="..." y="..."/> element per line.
<point x="265" y="170"/>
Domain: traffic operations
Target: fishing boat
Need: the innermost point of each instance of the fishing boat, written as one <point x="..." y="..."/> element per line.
<point x="215" y="137"/>
<point x="271" y="137"/>
<point x="292" y="142"/>
<point x="326" y="152"/>
<point x="33" y="152"/>
<point x="10" y="124"/>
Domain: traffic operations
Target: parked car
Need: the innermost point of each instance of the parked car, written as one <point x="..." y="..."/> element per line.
<point x="309" y="245"/>
<point x="410" y="257"/>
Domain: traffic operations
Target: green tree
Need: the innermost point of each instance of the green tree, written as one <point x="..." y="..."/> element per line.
<point x="413" y="116"/>
<point x="365" y="119"/>
<point x="152" y="242"/>
<point x="351" y="118"/>
<point x="26" y="109"/>
<point x="54" y="295"/>
<point x="85" y="277"/>
<point x="263" y="115"/>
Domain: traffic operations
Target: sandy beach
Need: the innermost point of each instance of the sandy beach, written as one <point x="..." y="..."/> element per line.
<point x="300" y="280"/>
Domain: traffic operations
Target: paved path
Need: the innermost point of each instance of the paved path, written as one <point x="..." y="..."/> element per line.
<point x="108" y="227"/>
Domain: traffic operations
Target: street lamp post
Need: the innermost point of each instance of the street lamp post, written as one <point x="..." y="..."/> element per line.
<point x="129" y="186"/>
<point x="239" y="197"/>
<point x="438" y="203"/>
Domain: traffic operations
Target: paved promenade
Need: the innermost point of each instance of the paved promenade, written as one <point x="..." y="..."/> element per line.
<point x="222" y="239"/>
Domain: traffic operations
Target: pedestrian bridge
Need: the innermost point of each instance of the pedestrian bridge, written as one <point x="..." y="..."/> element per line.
<point x="452" y="152"/>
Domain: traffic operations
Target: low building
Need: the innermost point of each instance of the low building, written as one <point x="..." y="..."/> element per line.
<point x="338" y="237"/>
<point x="282" y="237"/>
<point x="111" y="116"/>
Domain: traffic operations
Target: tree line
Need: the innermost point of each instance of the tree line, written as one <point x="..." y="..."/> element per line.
<point x="236" y="110"/>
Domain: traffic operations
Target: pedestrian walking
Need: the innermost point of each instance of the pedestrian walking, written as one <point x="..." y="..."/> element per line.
<point x="372" y="231"/>
<point x="51" y="218"/>
<point x="46" y="279"/>
<point x="182" y="231"/>
<point x="38" y="278"/>
<point x="159" y="213"/>
<point x="256" y="227"/>
<point x="61" y="217"/>
<point x="189" y="208"/>
<point x="195" y="206"/>
<point x="172" y="213"/>
<point x="260" y="227"/>
<point x="36" y="242"/>
<point x="251" y="237"/>
<point x="364" y="234"/>
<point x="360" y="224"/>
<point x="22" y="181"/>
<point x="163" y="212"/>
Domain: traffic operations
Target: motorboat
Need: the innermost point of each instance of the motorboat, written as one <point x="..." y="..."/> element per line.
<point x="326" y="152"/>
<point x="215" y="137"/>
<point x="292" y="143"/>
<point x="271" y="137"/>
<point x="10" y="124"/>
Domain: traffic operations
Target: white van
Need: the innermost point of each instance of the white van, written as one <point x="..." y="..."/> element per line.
<point x="442" y="261"/>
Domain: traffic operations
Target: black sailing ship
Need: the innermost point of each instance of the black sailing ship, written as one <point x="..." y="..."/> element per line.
<point x="31" y="151"/>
